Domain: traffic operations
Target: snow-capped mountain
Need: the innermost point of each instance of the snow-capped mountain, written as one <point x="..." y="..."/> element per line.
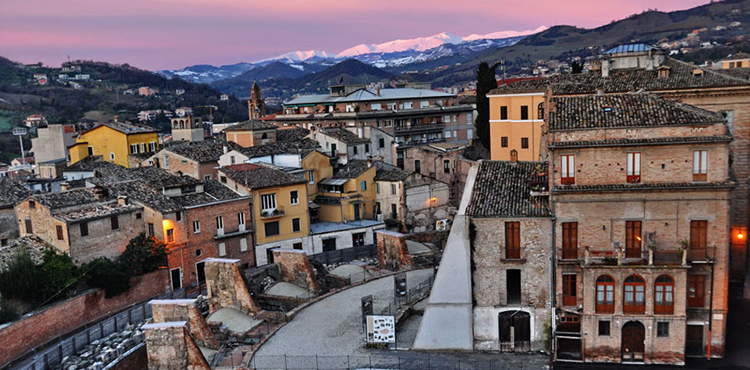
<point x="301" y="56"/>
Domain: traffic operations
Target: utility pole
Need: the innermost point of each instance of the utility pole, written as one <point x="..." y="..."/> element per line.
<point x="20" y="131"/>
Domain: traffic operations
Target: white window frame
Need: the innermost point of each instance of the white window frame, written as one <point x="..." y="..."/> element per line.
<point x="447" y="134"/>
<point x="568" y="166"/>
<point x="222" y="249"/>
<point x="220" y="225"/>
<point x="112" y="156"/>
<point x="241" y="220"/>
<point x="196" y="227"/>
<point x="700" y="163"/>
<point x="133" y="148"/>
<point x="634" y="164"/>
<point x="143" y="147"/>
<point x="243" y="245"/>
<point x="152" y="146"/>
<point x="268" y="202"/>
<point x="294" y="200"/>
<point x="311" y="176"/>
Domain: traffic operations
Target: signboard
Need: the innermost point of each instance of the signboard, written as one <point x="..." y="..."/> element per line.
<point x="366" y="307"/>
<point x="381" y="329"/>
<point x="441" y="225"/>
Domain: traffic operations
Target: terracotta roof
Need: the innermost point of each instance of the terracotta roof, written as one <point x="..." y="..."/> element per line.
<point x="387" y="172"/>
<point x="352" y="169"/>
<point x="642" y="142"/>
<point x="738" y="56"/>
<point x="503" y="189"/>
<point x="66" y="199"/>
<point x="292" y="134"/>
<point x="11" y="192"/>
<point x="213" y="191"/>
<point x="139" y="191"/>
<point x="251" y="125"/>
<point x="344" y="135"/>
<point x="644" y="187"/>
<point x="624" y="111"/>
<point x="203" y="151"/>
<point x="258" y="177"/>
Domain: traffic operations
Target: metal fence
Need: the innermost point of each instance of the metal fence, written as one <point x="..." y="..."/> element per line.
<point x="346" y="254"/>
<point x="413" y="295"/>
<point x="413" y="361"/>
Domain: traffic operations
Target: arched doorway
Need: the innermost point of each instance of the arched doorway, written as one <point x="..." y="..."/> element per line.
<point x="515" y="331"/>
<point x="633" y="338"/>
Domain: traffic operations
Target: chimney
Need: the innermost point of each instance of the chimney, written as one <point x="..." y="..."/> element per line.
<point x="361" y="131"/>
<point x="514" y="156"/>
<point x="64" y="186"/>
<point x="122" y="200"/>
<point x="116" y="118"/>
<point x="100" y="193"/>
<point x="605" y="68"/>
<point x="378" y="90"/>
<point x="226" y="149"/>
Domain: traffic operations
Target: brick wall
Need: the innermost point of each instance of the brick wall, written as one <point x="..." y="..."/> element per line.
<point x="296" y="268"/>
<point x="393" y="253"/>
<point x="226" y="287"/>
<point x="63" y="317"/>
<point x="170" y="347"/>
<point x="184" y="310"/>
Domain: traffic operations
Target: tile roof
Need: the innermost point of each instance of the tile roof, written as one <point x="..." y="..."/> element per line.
<point x="503" y="189"/>
<point x="642" y="142"/>
<point x="344" y="135"/>
<point x="90" y="163"/>
<point x="251" y="125"/>
<point x="125" y="128"/>
<point x="644" y="187"/>
<point x="66" y="199"/>
<point x="387" y="172"/>
<point x="11" y="192"/>
<point x="624" y="111"/>
<point x="363" y="95"/>
<point x="352" y="169"/>
<point x="139" y="191"/>
<point x="213" y="191"/>
<point x="292" y="134"/>
<point x="738" y="56"/>
<point x="257" y="177"/>
<point x="98" y="210"/>
<point x="681" y="76"/>
<point x="203" y="151"/>
<point x="302" y="146"/>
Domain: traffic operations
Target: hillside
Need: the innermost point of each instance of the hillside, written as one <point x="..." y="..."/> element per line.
<point x="240" y="85"/>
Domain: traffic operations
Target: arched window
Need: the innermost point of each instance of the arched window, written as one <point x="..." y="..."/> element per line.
<point x="635" y="295"/>
<point x="605" y="294"/>
<point x="540" y="111"/>
<point x="264" y="136"/>
<point x="664" y="295"/>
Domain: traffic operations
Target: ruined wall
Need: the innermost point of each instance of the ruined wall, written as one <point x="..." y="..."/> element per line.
<point x="184" y="310"/>
<point x="226" y="288"/>
<point x="393" y="253"/>
<point x="295" y="268"/>
<point x="170" y="347"/>
<point x="66" y="316"/>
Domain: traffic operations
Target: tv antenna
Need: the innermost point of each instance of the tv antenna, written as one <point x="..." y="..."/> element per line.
<point x="20" y="131"/>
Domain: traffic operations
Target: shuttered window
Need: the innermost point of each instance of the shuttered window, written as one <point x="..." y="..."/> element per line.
<point x="570" y="240"/>
<point x="513" y="240"/>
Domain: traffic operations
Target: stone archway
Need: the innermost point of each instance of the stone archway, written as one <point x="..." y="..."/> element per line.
<point x="633" y="342"/>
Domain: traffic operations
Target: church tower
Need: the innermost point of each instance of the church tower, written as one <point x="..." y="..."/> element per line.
<point x="256" y="106"/>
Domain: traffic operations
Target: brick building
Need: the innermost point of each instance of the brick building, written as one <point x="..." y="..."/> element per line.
<point x="641" y="189"/>
<point x="251" y="133"/>
<point x="511" y="225"/>
<point x="195" y="159"/>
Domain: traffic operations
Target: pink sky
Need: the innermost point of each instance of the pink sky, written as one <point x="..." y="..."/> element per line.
<point x="161" y="34"/>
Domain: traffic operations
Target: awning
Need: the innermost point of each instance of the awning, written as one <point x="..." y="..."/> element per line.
<point x="312" y="205"/>
<point x="337" y="182"/>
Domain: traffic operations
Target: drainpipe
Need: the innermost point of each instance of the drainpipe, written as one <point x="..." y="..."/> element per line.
<point x="553" y="278"/>
<point x="711" y="310"/>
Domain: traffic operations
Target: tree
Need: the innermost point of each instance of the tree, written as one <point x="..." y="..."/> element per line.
<point x="21" y="278"/>
<point x="109" y="275"/>
<point x="576" y="67"/>
<point x="486" y="81"/>
<point x="144" y="254"/>
<point x="58" y="273"/>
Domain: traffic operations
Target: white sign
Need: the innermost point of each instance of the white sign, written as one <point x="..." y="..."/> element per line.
<point x="381" y="329"/>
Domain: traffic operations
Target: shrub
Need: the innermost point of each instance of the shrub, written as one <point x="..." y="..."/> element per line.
<point x="109" y="275"/>
<point x="21" y="278"/>
<point x="59" y="275"/>
<point x="7" y="312"/>
<point x="144" y="254"/>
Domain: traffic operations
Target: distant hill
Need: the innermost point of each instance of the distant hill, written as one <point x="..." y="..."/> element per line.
<point x="240" y="85"/>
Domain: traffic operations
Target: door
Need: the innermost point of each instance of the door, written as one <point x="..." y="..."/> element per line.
<point x="514" y="331"/>
<point x="329" y="245"/>
<point x="269" y="255"/>
<point x="633" y="239"/>
<point x="694" y="340"/>
<point x="200" y="269"/>
<point x="176" y="277"/>
<point x="633" y="346"/>
<point x="356" y="212"/>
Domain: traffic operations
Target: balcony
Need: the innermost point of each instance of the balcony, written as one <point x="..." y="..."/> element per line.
<point x="271" y="213"/>
<point x="618" y="257"/>
<point x="419" y="128"/>
<point x="707" y="254"/>
<point x="234" y="231"/>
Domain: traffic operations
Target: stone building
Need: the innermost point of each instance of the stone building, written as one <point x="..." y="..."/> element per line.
<point x="511" y="240"/>
<point x="251" y="133"/>
<point x="641" y="188"/>
<point x="441" y="161"/>
<point x="342" y="144"/>
<point x="195" y="159"/>
<point x="11" y="192"/>
<point x="185" y="128"/>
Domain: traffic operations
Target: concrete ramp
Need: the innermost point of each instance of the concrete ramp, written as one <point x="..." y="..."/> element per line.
<point x="447" y="322"/>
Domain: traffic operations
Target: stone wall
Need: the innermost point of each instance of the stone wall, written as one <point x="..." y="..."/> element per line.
<point x="226" y="288"/>
<point x="296" y="268"/>
<point x="184" y="310"/>
<point x="170" y="347"/>
<point x="393" y="253"/>
<point x="47" y="324"/>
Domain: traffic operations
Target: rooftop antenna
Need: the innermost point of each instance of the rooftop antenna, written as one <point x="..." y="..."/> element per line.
<point x="20" y="131"/>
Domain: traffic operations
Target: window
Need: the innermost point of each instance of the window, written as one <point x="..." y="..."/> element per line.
<point x="138" y="216"/>
<point x="604" y="327"/>
<point x="241" y="218"/>
<point x="504" y="142"/>
<point x="447" y="134"/>
<point x="570" y="240"/>
<point x="151" y="147"/>
<point x="363" y="185"/>
<point x="377" y="187"/>
<point x="696" y="290"/>
<point x="296" y="225"/>
<point x="358" y="239"/>
<point x="133" y="148"/>
<point x="569" y="289"/>
<point x="294" y="197"/>
<point x="635" y="295"/>
<point x="32" y="204"/>
<point x="243" y="245"/>
<point x="206" y="177"/>
<point x="698" y="238"/>
<point x="196" y="227"/>
<point x="664" y="295"/>
<point x="634" y="168"/>
<point x="446" y="166"/>
<point x="59" y="230"/>
<point x="469" y="133"/>
<point x="524" y="112"/>
<point x="311" y="176"/>
<point x="700" y="165"/>
<point x="394" y="211"/>
<point x="524" y="143"/>
<point x="512" y="240"/>
<point x="84" y="228"/>
<point x="417" y="166"/>
<point x="393" y="189"/>
<point x="568" y="176"/>
<point x="367" y="148"/>
<point x="271" y="228"/>
<point x="170" y="235"/>
<point x="90" y="150"/>
<point x="151" y="230"/>
<point x="231" y="159"/>
<point x="355" y="149"/>
<point x="268" y="202"/>
<point x="540" y="111"/>
<point x="224" y="180"/>
<point x="222" y="249"/>
<point x="111" y="156"/>
<point x="115" y="222"/>
<point x="503" y="112"/>
<point x="381" y="142"/>
<point x="178" y="216"/>
<point x="513" y="286"/>
<point x="297" y="246"/>
<point x="605" y="294"/>
<point x="662" y="329"/>
<point x="633" y="239"/>
<point x="143" y="147"/>
<point x="166" y="161"/>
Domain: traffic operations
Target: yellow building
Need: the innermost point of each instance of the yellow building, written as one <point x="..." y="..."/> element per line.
<point x="114" y="142"/>
<point x="280" y="212"/>
<point x="739" y="60"/>
<point x="317" y="167"/>
<point x="349" y="195"/>
<point x="516" y="122"/>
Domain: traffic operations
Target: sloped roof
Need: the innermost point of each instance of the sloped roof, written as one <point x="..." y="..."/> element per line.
<point x="352" y="169"/>
<point x="125" y="128"/>
<point x="363" y="95"/>
<point x="737" y="56"/>
<point x="90" y="164"/>
<point x="292" y="134"/>
<point x="11" y="192"/>
<point x="624" y="111"/>
<point x="630" y="48"/>
<point x="251" y="125"/>
<point x="139" y="191"/>
<point x="343" y="135"/>
<point x="66" y="199"/>
<point x="97" y="210"/>
<point x="302" y="146"/>
<point x="503" y="189"/>
<point x="203" y="151"/>
<point x="213" y="191"/>
<point x="259" y="177"/>
<point x="387" y="172"/>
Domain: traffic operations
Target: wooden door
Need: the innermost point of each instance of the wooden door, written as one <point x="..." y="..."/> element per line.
<point x="633" y="337"/>
<point x="694" y="340"/>
<point x="633" y="239"/>
<point x="521" y="332"/>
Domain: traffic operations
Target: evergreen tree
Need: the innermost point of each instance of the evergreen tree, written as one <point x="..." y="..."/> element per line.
<point x="486" y="81"/>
